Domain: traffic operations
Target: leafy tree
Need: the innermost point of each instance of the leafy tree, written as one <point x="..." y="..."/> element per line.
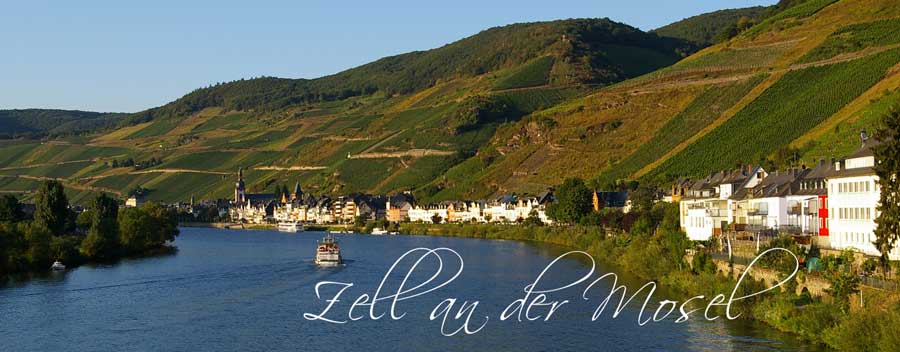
<point x="887" y="164"/>
<point x="436" y="219"/>
<point x="51" y="208"/>
<point x="37" y="238"/>
<point x="102" y="242"/>
<point x="10" y="209"/>
<point x="703" y="263"/>
<point x="136" y="230"/>
<point x="573" y="201"/>
<point x="83" y="220"/>
<point x="65" y="249"/>
<point x="533" y="219"/>
<point x="165" y="223"/>
<point x="843" y="284"/>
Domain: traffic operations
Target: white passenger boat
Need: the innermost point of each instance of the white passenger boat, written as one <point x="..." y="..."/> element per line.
<point x="328" y="252"/>
<point x="379" y="231"/>
<point x="292" y="227"/>
<point x="57" y="266"/>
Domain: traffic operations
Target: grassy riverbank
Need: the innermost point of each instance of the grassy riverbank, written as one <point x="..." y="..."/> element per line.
<point x="658" y="256"/>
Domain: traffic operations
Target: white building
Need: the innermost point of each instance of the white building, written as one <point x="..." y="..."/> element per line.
<point x="853" y="195"/>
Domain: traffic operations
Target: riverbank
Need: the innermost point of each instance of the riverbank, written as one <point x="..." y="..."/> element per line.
<point x="869" y="325"/>
<point x="242" y="226"/>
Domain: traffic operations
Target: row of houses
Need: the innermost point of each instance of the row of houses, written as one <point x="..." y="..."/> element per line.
<point x="506" y="209"/>
<point x="834" y="203"/>
<point x="401" y="207"/>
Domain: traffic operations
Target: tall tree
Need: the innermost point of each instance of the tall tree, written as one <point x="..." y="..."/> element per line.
<point x="51" y="208"/>
<point x="102" y="242"/>
<point x="573" y="201"/>
<point x="887" y="164"/>
<point x="10" y="209"/>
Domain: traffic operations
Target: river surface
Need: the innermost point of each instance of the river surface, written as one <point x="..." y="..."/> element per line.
<point x="232" y="290"/>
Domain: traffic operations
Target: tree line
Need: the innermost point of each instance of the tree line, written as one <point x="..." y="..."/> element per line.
<point x="103" y="232"/>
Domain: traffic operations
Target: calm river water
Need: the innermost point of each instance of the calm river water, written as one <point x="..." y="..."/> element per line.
<point x="228" y="290"/>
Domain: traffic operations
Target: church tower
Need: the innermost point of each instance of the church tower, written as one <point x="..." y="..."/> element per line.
<point x="297" y="192"/>
<point x="239" y="192"/>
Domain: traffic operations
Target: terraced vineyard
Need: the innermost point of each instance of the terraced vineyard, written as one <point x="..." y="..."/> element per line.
<point x="797" y="103"/>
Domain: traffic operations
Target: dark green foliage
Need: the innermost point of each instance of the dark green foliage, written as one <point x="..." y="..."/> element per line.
<point x="531" y="74"/>
<point x="703" y="29"/>
<point x="856" y="37"/>
<point x="102" y="241"/>
<point x="478" y="110"/>
<point x="843" y="285"/>
<point x="887" y="166"/>
<point x="10" y="209"/>
<point x="51" y="208"/>
<point x="573" y="201"/>
<point x="488" y="51"/>
<point x="796" y="103"/>
<point x="790" y="9"/>
<point x="702" y="264"/>
<point x="43" y="122"/>
<point x="147" y="227"/>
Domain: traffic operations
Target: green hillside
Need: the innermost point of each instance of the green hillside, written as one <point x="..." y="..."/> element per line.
<point x="711" y="28"/>
<point x="40" y="122"/>
<point x="512" y="109"/>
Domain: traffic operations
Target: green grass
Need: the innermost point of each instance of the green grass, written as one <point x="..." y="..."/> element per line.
<point x="157" y="128"/>
<point x="421" y="172"/>
<point x="56" y="171"/>
<point x="793" y="105"/>
<point x="11" y="153"/>
<point x="635" y="61"/>
<point x="228" y="122"/>
<point x="360" y="175"/>
<point x="259" y="139"/>
<point x="223" y="161"/>
<point x="527" y="101"/>
<point x="533" y="73"/>
<point x="856" y="37"/>
<point x="731" y="59"/>
<point x="705" y="109"/>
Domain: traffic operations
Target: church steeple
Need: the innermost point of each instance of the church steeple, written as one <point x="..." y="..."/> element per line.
<point x="297" y="192"/>
<point x="239" y="192"/>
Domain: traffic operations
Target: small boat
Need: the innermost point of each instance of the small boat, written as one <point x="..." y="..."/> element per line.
<point x="379" y="231"/>
<point x="339" y="232"/>
<point x="57" y="266"/>
<point x="291" y="227"/>
<point x="328" y="253"/>
<point x="393" y="233"/>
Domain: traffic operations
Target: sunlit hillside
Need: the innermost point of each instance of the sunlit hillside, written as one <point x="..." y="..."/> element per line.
<point x="512" y="109"/>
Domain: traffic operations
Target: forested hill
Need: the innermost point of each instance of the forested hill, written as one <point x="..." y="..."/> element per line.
<point x="576" y="51"/>
<point x="714" y="27"/>
<point x="41" y="122"/>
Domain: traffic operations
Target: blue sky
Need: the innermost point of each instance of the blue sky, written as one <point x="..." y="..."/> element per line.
<point x="118" y="56"/>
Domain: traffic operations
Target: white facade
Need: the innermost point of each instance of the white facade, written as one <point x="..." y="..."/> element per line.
<point x="426" y="214"/>
<point x="852" y="208"/>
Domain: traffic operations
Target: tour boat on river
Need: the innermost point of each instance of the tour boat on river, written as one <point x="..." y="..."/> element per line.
<point x="292" y="227"/>
<point x="58" y="266"/>
<point x="328" y="253"/>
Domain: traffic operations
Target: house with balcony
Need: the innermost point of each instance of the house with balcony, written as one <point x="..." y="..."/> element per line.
<point x="708" y="206"/>
<point x="773" y="204"/>
<point x="813" y="200"/>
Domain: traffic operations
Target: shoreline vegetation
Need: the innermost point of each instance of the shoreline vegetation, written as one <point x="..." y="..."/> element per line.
<point x="837" y="320"/>
<point x="102" y="233"/>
